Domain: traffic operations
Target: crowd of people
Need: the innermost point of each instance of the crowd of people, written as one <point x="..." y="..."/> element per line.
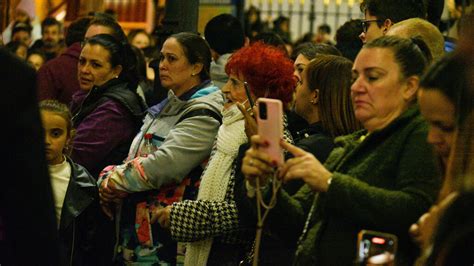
<point x="141" y="151"/>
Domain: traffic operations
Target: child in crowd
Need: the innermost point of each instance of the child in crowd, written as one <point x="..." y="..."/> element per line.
<point x="75" y="192"/>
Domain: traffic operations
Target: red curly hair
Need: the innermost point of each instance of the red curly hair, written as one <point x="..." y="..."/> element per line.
<point x="267" y="70"/>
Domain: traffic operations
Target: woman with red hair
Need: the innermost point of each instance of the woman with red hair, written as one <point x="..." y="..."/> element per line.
<point x="211" y="223"/>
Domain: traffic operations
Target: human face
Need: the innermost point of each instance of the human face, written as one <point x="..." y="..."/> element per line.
<point x="234" y="91"/>
<point x="94" y="68"/>
<point x="176" y="73"/>
<point x="23" y="37"/>
<point x="51" y="36"/>
<point x="22" y="52"/>
<point x="371" y="30"/>
<point x="305" y="100"/>
<point x="378" y="88"/>
<point x="56" y="136"/>
<point x="300" y="63"/>
<point x="438" y="111"/>
<point x="35" y="61"/>
<point x="141" y="41"/>
<point x="96" y="30"/>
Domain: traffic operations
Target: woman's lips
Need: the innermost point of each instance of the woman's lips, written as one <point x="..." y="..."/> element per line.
<point x="359" y="102"/>
<point x="85" y="81"/>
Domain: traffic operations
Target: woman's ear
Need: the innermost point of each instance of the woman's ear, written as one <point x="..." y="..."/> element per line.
<point x="117" y="70"/>
<point x="70" y="137"/>
<point x="411" y="87"/>
<point x="315" y="97"/>
<point x="197" y="68"/>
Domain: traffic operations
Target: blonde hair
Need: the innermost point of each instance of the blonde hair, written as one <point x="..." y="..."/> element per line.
<point x="428" y="32"/>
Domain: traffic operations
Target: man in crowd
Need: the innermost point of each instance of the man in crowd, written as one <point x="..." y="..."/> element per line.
<point x="417" y="27"/>
<point x="225" y="34"/>
<point x="50" y="42"/>
<point x="21" y="32"/>
<point x="380" y="15"/>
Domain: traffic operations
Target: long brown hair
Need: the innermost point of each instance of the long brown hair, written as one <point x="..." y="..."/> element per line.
<point x="331" y="76"/>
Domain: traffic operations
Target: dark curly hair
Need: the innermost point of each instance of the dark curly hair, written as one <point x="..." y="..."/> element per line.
<point x="267" y="70"/>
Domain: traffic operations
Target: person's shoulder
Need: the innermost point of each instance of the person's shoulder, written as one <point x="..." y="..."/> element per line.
<point x="210" y="97"/>
<point x="81" y="174"/>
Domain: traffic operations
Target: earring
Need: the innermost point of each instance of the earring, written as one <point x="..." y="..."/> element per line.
<point x="116" y="77"/>
<point x="313" y="101"/>
<point x="192" y="75"/>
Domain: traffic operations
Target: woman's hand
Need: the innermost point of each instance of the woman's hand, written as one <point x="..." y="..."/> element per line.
<point x="257" y="164"/>
<point x="109" y="196"/>
<point x="423" y="230"/>
<point x="250" y="122"/>
<point x="162" y="215"/>
<point x="306" y="167"/>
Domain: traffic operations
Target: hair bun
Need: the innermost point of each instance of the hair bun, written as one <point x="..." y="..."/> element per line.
<point x="421" y="44"/>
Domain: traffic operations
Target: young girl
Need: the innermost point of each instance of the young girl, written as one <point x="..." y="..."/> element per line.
<point x="74" y="189"/>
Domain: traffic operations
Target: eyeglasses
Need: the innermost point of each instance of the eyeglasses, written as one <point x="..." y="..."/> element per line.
<point x="365" y="23"/>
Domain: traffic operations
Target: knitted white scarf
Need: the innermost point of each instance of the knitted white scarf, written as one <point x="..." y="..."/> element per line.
<point x="215" y="179"/>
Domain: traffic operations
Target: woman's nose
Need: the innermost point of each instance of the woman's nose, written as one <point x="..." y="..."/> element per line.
<point x="362" y="37"/>
<point x="434" y="136"/>
<point x="84" y="68"/>
<point x="162" y="64"/>
<point x="357" y="86"/>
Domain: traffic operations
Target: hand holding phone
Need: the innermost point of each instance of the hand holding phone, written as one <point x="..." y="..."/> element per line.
<point x="270" y="127"/>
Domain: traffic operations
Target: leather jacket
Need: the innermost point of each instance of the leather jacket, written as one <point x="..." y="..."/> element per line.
<point x="81" y="243"/>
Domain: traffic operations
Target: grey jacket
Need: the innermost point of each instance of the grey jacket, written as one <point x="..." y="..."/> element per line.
<point x="181" y="146"/>
<point x="218" y="75"/>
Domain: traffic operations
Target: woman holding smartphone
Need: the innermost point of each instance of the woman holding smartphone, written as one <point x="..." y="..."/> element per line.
<point x="211" y="222"/>
<point x="381" y="178"/>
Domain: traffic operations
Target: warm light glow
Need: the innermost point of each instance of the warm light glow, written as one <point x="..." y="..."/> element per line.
<point x="280" y="2"/>
<point x="326" y="2"/>
<point x="378" y="240"/>
<point x="291" y="2"/>
<point x="61" y="15"/>
<point x="338" y="2"/>
<point x="302" y="2"/>
<point x="350" y="3"/>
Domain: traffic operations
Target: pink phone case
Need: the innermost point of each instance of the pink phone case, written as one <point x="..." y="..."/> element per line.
<point x="271" y="128"/>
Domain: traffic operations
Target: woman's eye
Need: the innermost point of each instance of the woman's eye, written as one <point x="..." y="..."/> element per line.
<point x="446" y="128"/>
<point x="95" y="65"/>
<point x="82" y="61"/>
<point x="372" y="78"/>
<point x="353" y="78"/>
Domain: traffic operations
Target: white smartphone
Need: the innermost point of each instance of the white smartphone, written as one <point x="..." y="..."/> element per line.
<point x="270" y="126"/>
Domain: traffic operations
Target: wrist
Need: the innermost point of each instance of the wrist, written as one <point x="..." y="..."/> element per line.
<point x="327" y="183"/>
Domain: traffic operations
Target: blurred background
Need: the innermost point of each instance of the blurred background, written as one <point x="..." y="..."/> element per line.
<point x="300" y="17"/>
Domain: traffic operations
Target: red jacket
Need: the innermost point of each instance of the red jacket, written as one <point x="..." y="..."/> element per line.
<point x="57" y="78"/>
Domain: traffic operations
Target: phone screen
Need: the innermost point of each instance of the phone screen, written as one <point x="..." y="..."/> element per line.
<point x="376" y="248"/>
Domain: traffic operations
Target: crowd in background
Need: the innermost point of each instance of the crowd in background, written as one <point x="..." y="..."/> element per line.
<point x="146" y="150"/>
